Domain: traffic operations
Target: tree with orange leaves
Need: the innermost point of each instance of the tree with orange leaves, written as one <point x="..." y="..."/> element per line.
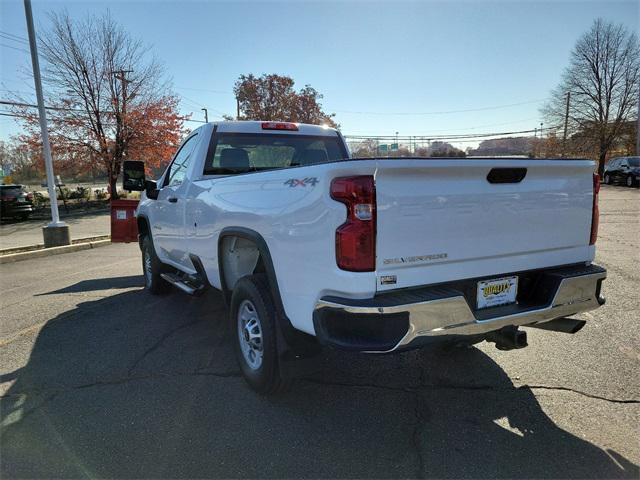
<point x="273" y="97"/>
<point x="107" y="100"/>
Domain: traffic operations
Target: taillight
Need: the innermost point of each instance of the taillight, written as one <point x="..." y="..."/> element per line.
<point x="30" y="196"/>
<point x="595" y="212"/>
<point x="356" y="238"/>
<point x="279" y="126"/>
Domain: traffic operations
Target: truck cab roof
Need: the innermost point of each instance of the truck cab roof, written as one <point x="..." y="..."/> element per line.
<point x="259" y="126"/>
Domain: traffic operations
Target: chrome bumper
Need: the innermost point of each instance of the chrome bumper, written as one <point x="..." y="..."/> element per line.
<point x="452" y="316"/>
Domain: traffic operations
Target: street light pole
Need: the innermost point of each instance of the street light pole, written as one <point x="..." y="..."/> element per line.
<point x="206" y="115"/>
<point x="55" y="233"/>
<point x="638" y="125"/>
<point x="566" y="124"/>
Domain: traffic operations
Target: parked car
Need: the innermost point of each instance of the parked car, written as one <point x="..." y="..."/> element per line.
<point x="15" y="202"/>
<point x="625" y="170"/>
<point x="311" y="247"/>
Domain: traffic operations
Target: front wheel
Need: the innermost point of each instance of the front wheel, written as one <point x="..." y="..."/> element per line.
<point x="630" y="181"/>
<point x="152" y="267"/>
<point x="253" y="323"/>
<point x="607" y="179"/>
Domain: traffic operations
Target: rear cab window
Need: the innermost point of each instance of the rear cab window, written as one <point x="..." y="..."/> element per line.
<point x="11" y="191"/>
<point x="236" y="153"/>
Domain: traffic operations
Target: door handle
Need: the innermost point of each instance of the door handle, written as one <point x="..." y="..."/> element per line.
<point x="173" y="199"/>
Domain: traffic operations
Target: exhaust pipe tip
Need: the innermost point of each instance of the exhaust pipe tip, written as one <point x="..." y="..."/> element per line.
<point x="564" y="325"/>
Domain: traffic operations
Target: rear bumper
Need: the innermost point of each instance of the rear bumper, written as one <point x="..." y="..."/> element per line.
<point x="407" y="318"/>
<point x="10" y="209"/>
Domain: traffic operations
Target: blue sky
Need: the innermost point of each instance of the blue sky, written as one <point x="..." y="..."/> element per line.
<point x="389" y="61"/>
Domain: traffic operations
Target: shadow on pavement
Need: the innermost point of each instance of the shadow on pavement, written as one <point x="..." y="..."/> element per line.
<point x="139" y="386"/>
<point x="99" y="284"/>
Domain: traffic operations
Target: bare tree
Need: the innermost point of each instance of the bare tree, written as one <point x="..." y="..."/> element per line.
<point x="109" y="100"/>
<point x="602" y="78"/>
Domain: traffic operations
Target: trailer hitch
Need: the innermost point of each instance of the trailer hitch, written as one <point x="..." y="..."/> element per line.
<point x="508" y="338"/>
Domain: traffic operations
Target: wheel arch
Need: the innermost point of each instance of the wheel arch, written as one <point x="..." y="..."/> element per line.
<point x="144" y="229"/>
<point x="292" y="343"/>
<point x="264" y="259"/>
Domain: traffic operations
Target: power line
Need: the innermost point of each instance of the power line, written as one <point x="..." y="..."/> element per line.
<point x="30" y="105"/>
<point x="15" y="48"/>
<point x="11" y="36"/>
<point x="444" y="112"/>
<point x="4" y="114"/>
<point x="443" y="137"/>
<point x="204" y="90"/>
<point x="200" y="105"/>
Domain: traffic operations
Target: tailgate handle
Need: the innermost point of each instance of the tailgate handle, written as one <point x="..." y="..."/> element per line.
<point x="506" y="175"/>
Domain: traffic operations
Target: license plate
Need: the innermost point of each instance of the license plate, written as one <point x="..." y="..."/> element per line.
<point x="21" y="199"/>
<point x="500" y="291"/>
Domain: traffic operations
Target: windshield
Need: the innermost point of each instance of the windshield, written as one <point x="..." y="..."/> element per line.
<point x="634" y="161"/>
<point x="247" y="152"/>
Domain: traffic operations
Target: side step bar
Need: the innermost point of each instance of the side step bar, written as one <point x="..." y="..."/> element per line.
<point x="188" y="285"/>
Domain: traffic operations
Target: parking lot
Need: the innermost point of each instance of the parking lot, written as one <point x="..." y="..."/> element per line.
<point x="101" y="379"/>
<point x="15" y="234"/>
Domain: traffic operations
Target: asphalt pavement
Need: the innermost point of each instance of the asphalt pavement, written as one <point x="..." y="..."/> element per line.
<point x="101" y="379"/>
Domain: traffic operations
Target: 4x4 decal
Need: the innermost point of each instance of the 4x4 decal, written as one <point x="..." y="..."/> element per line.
<point x="302" y="182"/>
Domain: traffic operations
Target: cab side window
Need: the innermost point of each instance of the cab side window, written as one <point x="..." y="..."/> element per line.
<point x="178" y="168"/>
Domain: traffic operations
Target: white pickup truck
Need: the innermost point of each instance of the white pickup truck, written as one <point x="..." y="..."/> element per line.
<point x="311" y="247"/>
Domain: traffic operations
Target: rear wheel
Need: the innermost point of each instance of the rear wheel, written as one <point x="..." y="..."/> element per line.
<point x="630" y="181"/>
<point x="607" y="179"/>
<point x="253" y="323"/>
<point x="152" y="267"/>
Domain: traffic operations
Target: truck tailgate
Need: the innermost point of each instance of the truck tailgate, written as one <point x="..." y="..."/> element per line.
<point x="441" y="220"/>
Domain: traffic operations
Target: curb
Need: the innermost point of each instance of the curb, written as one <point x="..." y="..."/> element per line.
<point x="46" y="252"/>
<point x="40" y="246"/>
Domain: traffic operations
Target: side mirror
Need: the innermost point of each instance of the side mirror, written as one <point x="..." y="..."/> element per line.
<point x="133" y="176"/>
<point x="151" y="189"/>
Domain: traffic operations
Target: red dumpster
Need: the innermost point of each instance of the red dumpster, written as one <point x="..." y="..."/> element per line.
<point x="124" y="227"/>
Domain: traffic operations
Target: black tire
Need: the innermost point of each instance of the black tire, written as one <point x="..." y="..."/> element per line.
<point x="152" y="267"/>
<point x="630" y="181"/>
<point x="252" y="295"/>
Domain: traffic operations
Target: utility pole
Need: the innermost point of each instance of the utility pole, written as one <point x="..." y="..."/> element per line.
<point x="121" y="75"/>
<point x="56" y="233"/>
<point x="206" y="115"/>
<point x="638" y="125"/>
<point x="237" y="109"/>
<point x="566" y="125"/>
